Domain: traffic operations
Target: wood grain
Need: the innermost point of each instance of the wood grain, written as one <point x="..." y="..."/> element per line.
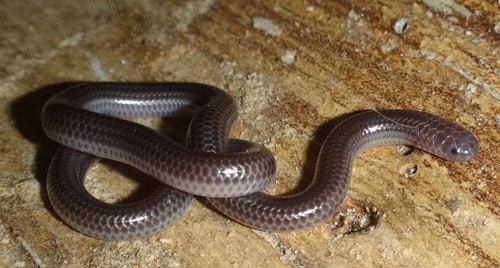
<point x="293" y="66"/>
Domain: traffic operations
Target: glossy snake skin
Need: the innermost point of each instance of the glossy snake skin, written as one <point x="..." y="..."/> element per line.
<point x="80" y="118"/>
<point x="333" y="169"/>
<point x="230" y="172"/>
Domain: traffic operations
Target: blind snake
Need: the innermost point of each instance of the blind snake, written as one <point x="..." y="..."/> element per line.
<point x="84" y="119"/>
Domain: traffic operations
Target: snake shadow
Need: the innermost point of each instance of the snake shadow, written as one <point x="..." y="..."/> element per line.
<point x="25" y="112"/>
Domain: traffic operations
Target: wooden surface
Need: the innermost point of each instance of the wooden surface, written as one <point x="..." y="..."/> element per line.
<point x="293" y="66"/>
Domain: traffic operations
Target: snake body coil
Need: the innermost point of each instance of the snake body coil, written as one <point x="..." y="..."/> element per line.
<point x="229" y="172"/>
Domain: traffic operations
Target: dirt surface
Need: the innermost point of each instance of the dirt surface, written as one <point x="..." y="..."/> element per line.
<point x="293" y="66"/>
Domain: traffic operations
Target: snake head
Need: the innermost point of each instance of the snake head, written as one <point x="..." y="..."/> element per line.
<point x="455" y="143"/>
<point x="465" y="147"/>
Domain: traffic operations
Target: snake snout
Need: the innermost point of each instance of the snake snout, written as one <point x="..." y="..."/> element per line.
<point x="463" y="146"/>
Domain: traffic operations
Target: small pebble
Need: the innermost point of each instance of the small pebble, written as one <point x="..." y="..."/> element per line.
<point x="405" y="150"/>
<point x="496" y="28"/>
<point x="401" y="25"/>
<point x="289" y="57"/>
<point x="427" y="53"/>
<point x="266" y="25"/>
<point x="408" y="170"/>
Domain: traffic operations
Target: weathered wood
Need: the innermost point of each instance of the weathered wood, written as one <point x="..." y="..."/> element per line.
<point x="293" y="66"/>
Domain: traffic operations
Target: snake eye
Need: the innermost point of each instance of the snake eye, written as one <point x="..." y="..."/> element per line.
<point x="454" y="151"/>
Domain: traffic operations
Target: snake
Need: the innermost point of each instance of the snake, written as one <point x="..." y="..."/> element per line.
<point x="89" y="120"/>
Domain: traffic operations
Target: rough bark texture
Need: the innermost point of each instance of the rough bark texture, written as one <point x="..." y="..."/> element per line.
<point x="293" y="66"/>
